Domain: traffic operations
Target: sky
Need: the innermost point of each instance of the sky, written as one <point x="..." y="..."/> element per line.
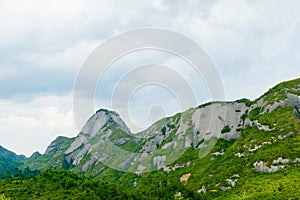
<point x="43" y="45"/>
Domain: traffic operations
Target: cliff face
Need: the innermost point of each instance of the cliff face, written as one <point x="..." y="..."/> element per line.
<point x="106" y="143"/>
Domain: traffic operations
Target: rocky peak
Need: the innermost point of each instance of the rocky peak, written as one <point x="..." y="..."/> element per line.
<point x="100" y="120"/>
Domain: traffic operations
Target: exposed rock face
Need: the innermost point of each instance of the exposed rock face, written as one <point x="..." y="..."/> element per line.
<point x="92" y="135"/>
<point x="262" y="167"/>
<point x="292" y="100"/>
<point x="106" y="140"/>
<point x="190" y="129"/>
<point x="297" y="160"/>
<point x="159" y="161"/>
<point x="231" y="182"/>
<point x="54" y="147"/>
<point x="202" y="190"/>
<point x="213" y="118"/>
<point x="89" y="164"/>
<point x="121" y="141"/>
<point x="185" y="177"/>
<point x="100" y="120"/>
<point x="239" y="155"/>
<point x="281" y="161"/>
<point x="218" y="153"/>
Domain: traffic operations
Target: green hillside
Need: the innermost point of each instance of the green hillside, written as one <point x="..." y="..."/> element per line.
<point x="53" y="158"/>
<point x="9" y="161"/>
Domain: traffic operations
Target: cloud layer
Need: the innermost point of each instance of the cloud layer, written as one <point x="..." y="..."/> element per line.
<point x="254" y="44"/>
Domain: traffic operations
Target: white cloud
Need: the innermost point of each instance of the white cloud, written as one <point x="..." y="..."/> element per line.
<point x="66" y="60"/>
<point x="30" y="126"/>
<point x="248" y="38"/>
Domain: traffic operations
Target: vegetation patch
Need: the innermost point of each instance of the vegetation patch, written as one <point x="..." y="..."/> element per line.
<point x="226" y="129"/>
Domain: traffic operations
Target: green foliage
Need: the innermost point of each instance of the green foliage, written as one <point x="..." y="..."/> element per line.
<point x="244" y="117"/>
<point x="247" y="102"/>
<point x="3" y="197"/>
<point x="280" y="91"/>
<point x="163" y="130"/>
<point x="62" y="185"/>
<point x="253" y="114"/>
<point x="281" y="118"/>
<point x="46" y="161"/>
<point x="9" y="161"/>
<point x="239" y="129"/>
<point x="120" y="133"/>
<point x="277" y="186"/>
<point x="226" y="129"/>
<point x="171" y="126"/>
<point x="209" y="103"/>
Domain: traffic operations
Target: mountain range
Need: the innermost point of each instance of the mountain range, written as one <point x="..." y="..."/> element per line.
<point x="218" y="149"/>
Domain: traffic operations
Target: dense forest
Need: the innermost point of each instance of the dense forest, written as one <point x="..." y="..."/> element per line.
<point x="63" y="184"/>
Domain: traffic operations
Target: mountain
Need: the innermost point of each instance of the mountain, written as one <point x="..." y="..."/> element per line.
<point x="9" y="161"/>
<point x="52" y="158"/>
<point x="217" y="150"/>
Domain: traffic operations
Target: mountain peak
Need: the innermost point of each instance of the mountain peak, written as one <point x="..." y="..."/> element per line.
<point x="106" y="111"/>
<point x="101" y="119"/>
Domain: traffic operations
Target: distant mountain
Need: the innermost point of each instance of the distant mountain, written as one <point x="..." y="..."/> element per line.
<point x="219" y="149"/>
<point x="9" y="161"/>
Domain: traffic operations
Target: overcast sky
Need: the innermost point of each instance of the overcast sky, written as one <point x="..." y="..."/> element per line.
<point x="43" y="44"/>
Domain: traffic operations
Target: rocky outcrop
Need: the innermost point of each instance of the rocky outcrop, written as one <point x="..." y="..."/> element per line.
<point x="261" y="166"/>
<point x="159" y="161"/>
<point x="281" y="161"/>
<point x="184" y="178"/>
<point x="100" y="119"/>
<point x="291" y="100"/>
<point x="93" y="134"/>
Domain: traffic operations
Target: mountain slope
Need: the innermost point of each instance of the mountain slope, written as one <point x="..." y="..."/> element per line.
<point x="219" y="149"/>
<point x="9" y="161"/>
<point x="53" y="157"/>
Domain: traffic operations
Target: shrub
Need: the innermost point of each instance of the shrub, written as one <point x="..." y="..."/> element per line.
<point x="226" y="129"/>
